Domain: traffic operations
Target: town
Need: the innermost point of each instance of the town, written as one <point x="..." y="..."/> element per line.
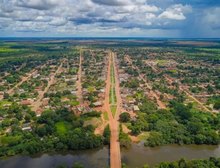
<point x="63" y="95"/>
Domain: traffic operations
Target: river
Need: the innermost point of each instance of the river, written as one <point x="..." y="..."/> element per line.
<point x="136" y="156"/>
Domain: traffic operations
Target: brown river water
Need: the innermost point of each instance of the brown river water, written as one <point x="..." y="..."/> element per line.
<point x="134" y="157"/>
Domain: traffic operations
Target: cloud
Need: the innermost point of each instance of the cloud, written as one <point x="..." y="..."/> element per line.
<point x="176" y="12"/>
<point x="110" y="17"/>
<point x="58" y="22"/>
<point x="211" y="18"/>
<point x="38" y="4"/>
<point x="119" y="2"/>
<point x="137" y="9"/>
<point x="113" y="2"/>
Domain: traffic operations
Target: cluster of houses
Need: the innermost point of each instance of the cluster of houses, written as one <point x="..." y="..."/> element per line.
<point x="129" y="103"/>
<point x="94" y="71"/>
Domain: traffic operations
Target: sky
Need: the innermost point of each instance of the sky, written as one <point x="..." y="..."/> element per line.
<point x="110" y="18"/>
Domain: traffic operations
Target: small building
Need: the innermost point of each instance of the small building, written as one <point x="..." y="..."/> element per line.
<point x="74" y="92"/>
<point x="26" y="127"/>
<point x="45" y="101"/>
<point x="98" y="104"/>
<point x="136" y="108"/>
<point x="26" y="102"/>
<point x="38" y="115"/>
<point x="102" y="90"/>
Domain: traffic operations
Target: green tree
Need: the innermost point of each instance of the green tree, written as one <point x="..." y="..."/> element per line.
<point x="124" y="117"/>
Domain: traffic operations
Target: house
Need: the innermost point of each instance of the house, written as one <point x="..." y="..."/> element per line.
<point x="45" y="101"/>
<point x="83" y="110"/>
<point x="26" y="127"/>
<point x="38" y="115"/>
<point x="136" y="108"/>
<point x="35" y="76"/>
<point x="26" y="102"/>
<point x="102" y="90"/>
<point x="98" y="104"/>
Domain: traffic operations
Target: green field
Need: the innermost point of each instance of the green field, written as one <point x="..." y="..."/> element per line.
<point x="113" y="109"/>
<point x="112" y="93"/>
<point x="112" y="75"/>
<point x="105" y="115"/>
<point x="62" y="127"/>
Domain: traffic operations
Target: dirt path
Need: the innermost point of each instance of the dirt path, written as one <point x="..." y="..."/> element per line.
<point x="170" y="80"/>
<point x="36" y="105"/>
<point x="23" y="79"/>
<point x="115" y="154"/>
<point x="79" y="81"/>
<point x="195" y="100"/>
<point x="125" y="129"/>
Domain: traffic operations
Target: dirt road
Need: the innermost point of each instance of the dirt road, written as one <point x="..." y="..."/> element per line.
<point x="195" y="100"/>
<point x="159" y="102"/>
<point x="170" y="81"/>
<point x="23" y="79"/>
<point x="115" y="154"/>
<point x="36" y="105"/>
<point x="79" y="81"/>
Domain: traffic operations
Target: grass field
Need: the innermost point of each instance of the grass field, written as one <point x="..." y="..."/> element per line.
<point x="62" y="127"/>
<point x="11" y="50"/>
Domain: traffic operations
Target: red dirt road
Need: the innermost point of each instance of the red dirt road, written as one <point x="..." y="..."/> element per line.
<point x="79" y="81"/>
<point x="115" y="154"/>
<point x="36" y="105"/>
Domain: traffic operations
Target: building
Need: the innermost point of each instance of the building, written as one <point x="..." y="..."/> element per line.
<point x="136" y="108"/>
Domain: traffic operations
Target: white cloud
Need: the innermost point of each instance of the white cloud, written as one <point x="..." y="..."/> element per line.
<point x="119" y="2"/>
<point x="38" y="4"/>
<point x="104" y="16"/>
<point x="176" y="12"/>
<point x="58" y="22"/>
